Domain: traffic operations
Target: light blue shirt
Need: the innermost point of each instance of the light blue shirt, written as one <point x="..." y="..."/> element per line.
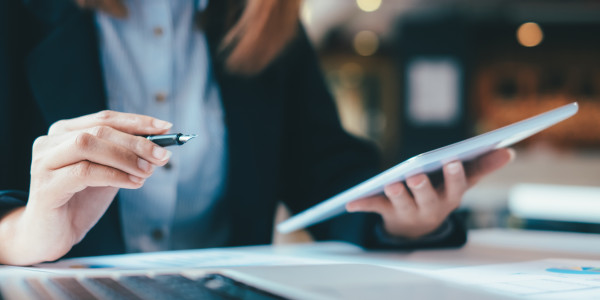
<point x="156" y="62"/>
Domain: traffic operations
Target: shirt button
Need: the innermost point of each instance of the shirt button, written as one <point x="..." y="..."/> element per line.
<point x="158" y="31"/>
<point x="157" y="234"/>
<point x="168" y="166"/>
<point x="160" y="97"/>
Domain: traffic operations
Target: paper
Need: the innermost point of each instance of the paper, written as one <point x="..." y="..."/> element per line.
<point x="543" y="279"/>
<point x="208" y="258"/>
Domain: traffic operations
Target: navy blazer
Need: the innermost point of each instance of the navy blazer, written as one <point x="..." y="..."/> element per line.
<point x="284" y="136"/>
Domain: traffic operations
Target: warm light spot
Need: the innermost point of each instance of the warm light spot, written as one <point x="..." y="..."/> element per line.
<point x="351" y="75"/>
<point x="366" y="43"/>
<point x="530" y="34"/>
<point x="306" y="13"/>
<point x="368" y="5"/>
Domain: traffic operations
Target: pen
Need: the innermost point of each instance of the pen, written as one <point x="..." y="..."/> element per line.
<point x="164" y="140"/>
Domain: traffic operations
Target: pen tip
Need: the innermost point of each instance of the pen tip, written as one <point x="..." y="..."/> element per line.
<point x="185" y="138"/>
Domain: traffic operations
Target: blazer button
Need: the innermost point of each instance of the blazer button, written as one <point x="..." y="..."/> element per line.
<point x="168" y="166"/>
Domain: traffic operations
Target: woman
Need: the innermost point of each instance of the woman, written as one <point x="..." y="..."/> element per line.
<point x="84" y="80"/>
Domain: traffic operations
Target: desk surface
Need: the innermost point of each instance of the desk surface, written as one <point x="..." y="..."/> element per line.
<point x="485" y="246"/>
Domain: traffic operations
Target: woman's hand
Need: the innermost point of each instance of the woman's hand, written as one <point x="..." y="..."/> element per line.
<point x="76" y="171"/>
<point x="422" y="208"/>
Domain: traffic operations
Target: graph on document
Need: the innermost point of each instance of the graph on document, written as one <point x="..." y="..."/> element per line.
<point x="575" y="270"/>
<point x="542" y="279"/>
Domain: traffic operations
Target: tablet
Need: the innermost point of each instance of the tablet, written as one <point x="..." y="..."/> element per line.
<point x="428" y="162"/>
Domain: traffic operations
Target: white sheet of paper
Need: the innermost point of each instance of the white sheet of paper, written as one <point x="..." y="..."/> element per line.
<point x="203" y="258"/>
<point x="542" y="279"/>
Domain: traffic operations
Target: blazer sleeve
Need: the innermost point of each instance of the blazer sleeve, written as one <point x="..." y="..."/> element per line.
<point x="321" y="159"/>
<point x="11" y="199"/>
<point x="20" y="119"/>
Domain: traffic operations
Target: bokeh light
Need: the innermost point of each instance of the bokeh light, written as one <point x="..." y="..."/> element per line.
<point x="351" y="75"/>
<point x="368" y="5"/>
<point x="306" y="13"/>
<point x="530" y="34"/>
<point x="366" y="43"/>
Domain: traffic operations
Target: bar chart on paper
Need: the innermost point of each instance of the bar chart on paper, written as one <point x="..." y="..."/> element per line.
<point x="542" y="279"/>
<point x="577" y="270"/>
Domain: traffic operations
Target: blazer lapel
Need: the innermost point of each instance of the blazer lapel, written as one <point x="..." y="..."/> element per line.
<point x="64" y="69"/>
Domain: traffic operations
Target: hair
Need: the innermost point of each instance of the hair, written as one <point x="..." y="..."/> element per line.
<point x="256" y="30"/>
<point x="261" y="33"/>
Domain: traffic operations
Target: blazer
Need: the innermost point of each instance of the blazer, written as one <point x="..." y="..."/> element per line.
<point x="284" y="136"/>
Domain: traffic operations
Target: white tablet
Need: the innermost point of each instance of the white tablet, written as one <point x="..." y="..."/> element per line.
<point x="429" y="162"/>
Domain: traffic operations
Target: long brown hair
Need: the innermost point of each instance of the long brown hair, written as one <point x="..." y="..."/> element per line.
<point x="257" y="30"/>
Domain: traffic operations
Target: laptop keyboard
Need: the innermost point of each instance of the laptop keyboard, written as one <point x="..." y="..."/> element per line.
<point x="136" y="287"/>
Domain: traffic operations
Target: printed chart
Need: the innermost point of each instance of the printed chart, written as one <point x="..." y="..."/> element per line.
<point x="542" y="279"/>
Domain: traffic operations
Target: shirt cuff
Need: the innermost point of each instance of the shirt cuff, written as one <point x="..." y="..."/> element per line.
<point x="10" y="199"/>
<point x="439" y="235"/>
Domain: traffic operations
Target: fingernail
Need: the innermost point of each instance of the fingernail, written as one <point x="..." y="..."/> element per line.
<point x="136" y="179"/>
<point x="161" y="153"/>
<point x="394" y="189"/>
<point x="144" y="165"/>
<point x="160" y="124"/>
<point x="453" y="167"/>
<point x="414" y="185"/>
<point x="512" y="153"/>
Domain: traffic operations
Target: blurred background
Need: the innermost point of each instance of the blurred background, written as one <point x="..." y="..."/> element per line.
<point x="414" y="75"/>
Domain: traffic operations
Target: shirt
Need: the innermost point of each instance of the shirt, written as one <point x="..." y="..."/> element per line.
<point x="156" y="62"/>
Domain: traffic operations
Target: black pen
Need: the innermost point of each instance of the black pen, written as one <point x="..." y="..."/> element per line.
<point x="164" y="140"/>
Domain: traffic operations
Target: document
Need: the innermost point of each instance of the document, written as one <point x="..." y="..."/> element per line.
<point x="202" y="258"/>
<point x="543" y="279"/>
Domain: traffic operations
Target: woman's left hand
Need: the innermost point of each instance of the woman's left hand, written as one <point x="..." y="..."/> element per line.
<point x="423" y="209"/>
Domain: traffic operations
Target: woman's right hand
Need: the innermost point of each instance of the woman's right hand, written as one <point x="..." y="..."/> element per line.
<point x="76" y="171"/>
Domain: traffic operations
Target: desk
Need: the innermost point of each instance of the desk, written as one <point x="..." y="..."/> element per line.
<point x="485" y="247"/>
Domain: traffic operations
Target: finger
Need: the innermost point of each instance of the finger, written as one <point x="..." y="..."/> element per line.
<point x="76" y="177"/>
<point x="139" y="145"/>
<point x="455" y="182"/>
<point x="400" y="197"/>
<point x="85" y="146"/>
<point x="125" y="122"/>
<point x="487" y="164"/>
<point x="375" y="204"/>
<point x="423" y="192"/>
